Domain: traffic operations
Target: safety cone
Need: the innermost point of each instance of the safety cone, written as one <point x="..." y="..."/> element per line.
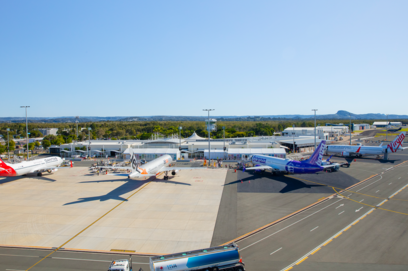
<point x="242" y="181"/>
<point x="355" y="160"/>
<point x="235" y="171"/>
<point x="249" y="181"/>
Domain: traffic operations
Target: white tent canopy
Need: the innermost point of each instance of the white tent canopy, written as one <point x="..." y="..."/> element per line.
<point x="194" y="136"/>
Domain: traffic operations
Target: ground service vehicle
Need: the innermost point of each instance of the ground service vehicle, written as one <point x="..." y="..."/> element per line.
<point x="210" y="259"/>
<point x="121" y="265"/>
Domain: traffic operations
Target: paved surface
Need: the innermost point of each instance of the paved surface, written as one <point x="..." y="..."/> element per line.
<point x="286" y="243"/>
<point x="21" y="259"/>
<point x="156" y="217"/>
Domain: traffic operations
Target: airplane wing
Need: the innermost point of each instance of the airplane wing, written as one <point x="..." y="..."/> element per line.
<point x="260" y="167"/>
<point x="110" y="167"/>
<point x="179" y="168"/>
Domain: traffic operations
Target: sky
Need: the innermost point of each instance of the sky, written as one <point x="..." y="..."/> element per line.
<point x="143" y="58"/>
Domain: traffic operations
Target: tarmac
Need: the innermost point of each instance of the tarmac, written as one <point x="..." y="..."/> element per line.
<point x="336" y="233"/>
<point x="152" y="216"/>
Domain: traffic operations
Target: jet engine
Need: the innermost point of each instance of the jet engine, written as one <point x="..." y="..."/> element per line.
<point x="174" y="172"/>
<point x="345" y="154"/>
<point x="52" y="170"/>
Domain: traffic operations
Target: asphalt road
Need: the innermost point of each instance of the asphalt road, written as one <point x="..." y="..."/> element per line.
<point x="20" y="259"/>
<point x="286" y="243"/>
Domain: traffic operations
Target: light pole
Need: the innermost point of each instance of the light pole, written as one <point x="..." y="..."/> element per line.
<point x="26" y="106"/>
<point x="209" y="133"/>
<point x="386" y="129"/>
<point x="180" y="138"/>
<point x="315" y="127"/>
<point x="223" y="130"/>
<point x="293" y="136"/>
<point x="76" y="121"/>
<point x="350" y="128"/>
<point x="8" y="144"/>
<point x="89" y="145"/>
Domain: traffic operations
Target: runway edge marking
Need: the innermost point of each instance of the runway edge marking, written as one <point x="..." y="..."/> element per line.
<point x="292" y="214"/>
<point x="323" y="244"/>
<point x="337" y="234"/>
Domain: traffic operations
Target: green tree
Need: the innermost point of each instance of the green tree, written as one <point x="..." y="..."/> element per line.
<point x="12" y="145"/>
<point x="37" y="144"/>
<point x="46" y="144"/>
<point x="3" y="149"/>
<point x="35" y="133"/>
<point x="31" y="146"/>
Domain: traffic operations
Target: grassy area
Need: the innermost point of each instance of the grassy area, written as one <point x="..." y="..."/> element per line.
<point x="384" y="134"/>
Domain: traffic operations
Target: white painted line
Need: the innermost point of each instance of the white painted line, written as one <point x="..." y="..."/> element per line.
<point x="314" y="228"/>
<point x="319" y="246"/>
<point x="358" y="210"/>
<point x="339" y="206"/>
<point x="389" y="183"/>
<point x="14" y="270"/>
<point x="77" y="259"/>
<point x="399" y="178"/>
<point x="362" y="200"/>
<point x="377" y="191"/>
<point x="87" y="260"/>
<point x="275" y="251"/>
<point x="349" y="195"/>
<point x="260" y="240"/>
<point x="370" y="184"/>
<point x="31" y="256"/>
<point x="341" y="212"/>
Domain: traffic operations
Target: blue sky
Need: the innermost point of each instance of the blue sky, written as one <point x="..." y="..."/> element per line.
<point x="139" y="58"/>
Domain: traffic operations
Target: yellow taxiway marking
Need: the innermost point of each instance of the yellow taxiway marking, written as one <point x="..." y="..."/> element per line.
<point x="316" y="250"/>
<point x="76" y="235"/>
<point x="304" y="259"/>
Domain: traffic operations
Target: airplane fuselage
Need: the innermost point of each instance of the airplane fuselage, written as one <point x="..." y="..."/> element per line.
<point x="39" y="165"/>
<point x="151" y="168"/>
<point x="285" y="165"/>
<point x="347" y="150"/>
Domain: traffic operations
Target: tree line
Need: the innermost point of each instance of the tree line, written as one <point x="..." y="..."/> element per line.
<point x="145" y="129"/>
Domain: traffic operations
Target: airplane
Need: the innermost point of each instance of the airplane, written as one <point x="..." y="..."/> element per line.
<point x="360" y="150"/>
<point x="312" y="165"/>
<point x="38" y="166"/>
<point x="149" y="169"/>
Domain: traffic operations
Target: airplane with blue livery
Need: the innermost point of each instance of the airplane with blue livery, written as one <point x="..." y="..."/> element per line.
<point x="312" y="165"/>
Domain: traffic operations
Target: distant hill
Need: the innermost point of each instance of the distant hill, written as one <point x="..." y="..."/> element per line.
<point x="341" y="114"/>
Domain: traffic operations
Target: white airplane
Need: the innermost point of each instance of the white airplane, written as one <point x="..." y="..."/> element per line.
<point x="312" y="165"/>
<point x="360" y="150"/>
<point x="152" y="168"/>
<point x="38" y="166"/>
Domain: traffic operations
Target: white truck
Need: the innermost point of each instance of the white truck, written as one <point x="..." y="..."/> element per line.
<point x="121" y="265"/>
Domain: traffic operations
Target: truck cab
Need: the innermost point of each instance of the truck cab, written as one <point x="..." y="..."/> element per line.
<point x="120" y="265"/>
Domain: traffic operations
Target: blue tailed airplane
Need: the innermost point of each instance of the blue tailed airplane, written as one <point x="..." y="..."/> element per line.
<point x="312" y="165"/>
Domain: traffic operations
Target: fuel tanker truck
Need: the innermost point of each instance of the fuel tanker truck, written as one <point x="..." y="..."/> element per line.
<point x="220" y="258"/>
<point x="210" y="259"/>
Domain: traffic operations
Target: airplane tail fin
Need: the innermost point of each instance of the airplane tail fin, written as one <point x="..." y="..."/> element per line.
<point x="397" y="142"/>
<point x="316" y="158"/>
<point x="133" y="162"/>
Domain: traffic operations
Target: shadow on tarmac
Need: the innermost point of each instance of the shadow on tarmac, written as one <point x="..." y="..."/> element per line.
<point x="115" y="194"/>
<point x="290" y="184"/>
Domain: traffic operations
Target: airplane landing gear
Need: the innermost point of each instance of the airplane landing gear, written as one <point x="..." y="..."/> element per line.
<point x="166" y="177"/>
<point x="39" y="174"/>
